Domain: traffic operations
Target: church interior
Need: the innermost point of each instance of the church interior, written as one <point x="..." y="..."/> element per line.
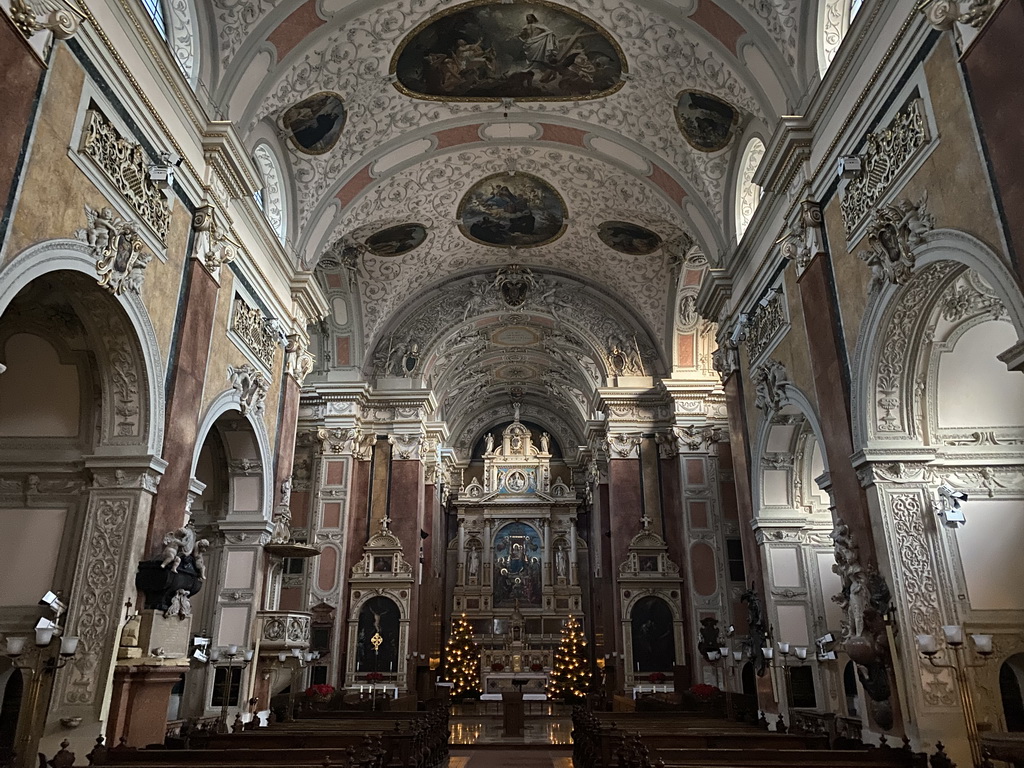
<point x="595" y="382"/>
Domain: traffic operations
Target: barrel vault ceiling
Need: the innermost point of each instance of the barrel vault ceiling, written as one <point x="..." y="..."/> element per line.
<point x="402" y="159"/>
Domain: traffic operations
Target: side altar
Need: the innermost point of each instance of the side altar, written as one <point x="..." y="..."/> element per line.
<point x="516" y="556"/>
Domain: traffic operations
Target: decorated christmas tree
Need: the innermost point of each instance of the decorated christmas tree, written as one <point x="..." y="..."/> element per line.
<point x="570" y="676"/>
<point x="462" y="658"/>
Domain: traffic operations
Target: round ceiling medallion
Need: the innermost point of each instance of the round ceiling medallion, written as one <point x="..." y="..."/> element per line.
<point x="706" y="122"/>
<point x="509" y="209"/>
<point x="631" y="239"/>
<point x="394" y="241"/>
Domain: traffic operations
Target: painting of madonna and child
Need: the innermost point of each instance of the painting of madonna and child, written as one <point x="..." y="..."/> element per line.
<point x="482" y="51"/>
<point x="512" y="209"/>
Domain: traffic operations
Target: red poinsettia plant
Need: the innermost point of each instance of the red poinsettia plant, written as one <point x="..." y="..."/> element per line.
<point x="703" y="691"/>
<point x="536" y="667"/>
<point x="657" y="677"/>
<point x="497" y="666"/>
<point x="321" y="691"/>
<point x="374" y="677"/>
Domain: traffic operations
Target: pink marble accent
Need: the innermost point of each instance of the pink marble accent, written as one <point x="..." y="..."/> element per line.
<point x="671" y="187"/>
<point x="354" y="186"/>
<point x="562" y="134"/>
<point x="720" y="24"/>
<point x="328" y="562"/>
<point x="293" y="30"/>
<point x="462" y="134"/>
<point x="702" y="560"/>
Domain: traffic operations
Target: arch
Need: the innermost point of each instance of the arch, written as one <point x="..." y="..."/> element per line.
<point x="224" y="403"/>
<point x="378" y="614"/>
<point x="1011" y="683"/>
<point x="748" y="194"/>
<point x="148" y="370"/>
<point x="182" y="35"/>
<point x="798" y="406"/>
<point x="652" y="622"/>
<point x="894" y="311"/>
<point x="272" y="199"/>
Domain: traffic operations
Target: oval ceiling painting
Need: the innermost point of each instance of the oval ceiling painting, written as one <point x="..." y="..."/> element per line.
<point x="628" y="238"/>
<point x="706" y="121"/>
<point x="394" y="241"/>
<point x="486" y="50"/>
<point x="314" y="124"/>
<point x="512" y="210"/>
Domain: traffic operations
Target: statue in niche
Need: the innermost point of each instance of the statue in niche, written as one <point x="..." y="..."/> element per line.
<point x="474" y="563"/>
<point x="286" y="492"/>
<point x="489" y="442"/>
<point x="545" y="442"/>
<point x="561" y="563"/>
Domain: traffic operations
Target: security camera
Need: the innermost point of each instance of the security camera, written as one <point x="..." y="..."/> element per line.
<point x="46" y="624"/>
<point x="200" y="642"/>
<point x="849" y="166"/>
<point x="825" y="639"/>
<point x="949" y="506"/>
<point x="161" y="173"/>
<point x="739" y="330"/>
<point x="199" y="656"/>
<point x="53" y="602"/>
<point x="767" y="298"/>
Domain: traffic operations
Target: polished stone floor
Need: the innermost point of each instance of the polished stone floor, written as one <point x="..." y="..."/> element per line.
<point x="488" y="730"/>
<point x="500" y="758"/>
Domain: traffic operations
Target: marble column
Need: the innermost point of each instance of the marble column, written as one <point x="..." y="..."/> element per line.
<point x="186" y="390"/>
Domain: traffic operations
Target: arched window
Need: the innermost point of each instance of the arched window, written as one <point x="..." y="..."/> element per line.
<point x="175" y="21"/>
<point x="155" y="9"/>
<point x="748" y="194"/>
<point x="271" y="197"/>
<point x="835" y="17"/>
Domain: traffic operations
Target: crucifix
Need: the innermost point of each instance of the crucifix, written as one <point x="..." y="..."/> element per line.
<point x="646" y="521"/>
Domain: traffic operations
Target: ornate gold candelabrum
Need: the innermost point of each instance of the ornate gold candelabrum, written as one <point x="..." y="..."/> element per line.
<point x="956" y="659"/>
<point x="36" y="663"/>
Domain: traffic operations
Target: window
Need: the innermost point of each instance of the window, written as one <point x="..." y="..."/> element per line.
<point x="233" y="688"/>
<point x="734" y="553"/>
<point x="155" y="9"/>
<point x="855" y="6"/>
<point x="834" y="19"/>
<point x="748" y="194"/>
<point x="271" y="197"/>
<point x="293" y="566"/>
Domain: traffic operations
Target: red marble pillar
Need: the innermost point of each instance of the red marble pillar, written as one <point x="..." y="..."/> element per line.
<point x="19" y="88"/>
<point x="739" y="443"/>
<point x="138" y="708"/>
<point x="998" y="100"/>
<point x="182" y="423"/>
<point x="286" y="426"/>
<point x="833" y="397"/>
<point x="405" y="507"/>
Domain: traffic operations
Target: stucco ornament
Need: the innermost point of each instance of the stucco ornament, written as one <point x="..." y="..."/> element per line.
<point x="946" y="14"/>
<point x="770" y="384"/>
<point x="895" y="231"/>
<point x="120" y="260"/>
<point x="251" y="386"/>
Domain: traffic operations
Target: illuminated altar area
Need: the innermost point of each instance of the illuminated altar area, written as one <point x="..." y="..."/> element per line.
<point x="516" y="555"/>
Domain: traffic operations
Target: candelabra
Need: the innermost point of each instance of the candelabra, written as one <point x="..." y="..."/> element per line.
<point x="726" y="657"/>
<point x="786" y="650"/>
<point x="957" y="660"/>
<point x="36" y="662"/>
<point x="213" y="656"/>
<point x="302" y="659"/>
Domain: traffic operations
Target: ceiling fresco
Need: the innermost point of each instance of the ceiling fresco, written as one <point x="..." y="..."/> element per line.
<point x="533" y="51"/>
<point x="512" y="210"/>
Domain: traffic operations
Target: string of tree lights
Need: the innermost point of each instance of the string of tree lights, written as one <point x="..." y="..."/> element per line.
<point x="462" y="658"/>
<point x="570" y="675"/>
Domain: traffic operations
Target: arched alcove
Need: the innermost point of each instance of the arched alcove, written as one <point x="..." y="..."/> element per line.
<point x="652" y="634"/>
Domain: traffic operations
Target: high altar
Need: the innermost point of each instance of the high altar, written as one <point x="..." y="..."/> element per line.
<point x="517" y="554"/>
